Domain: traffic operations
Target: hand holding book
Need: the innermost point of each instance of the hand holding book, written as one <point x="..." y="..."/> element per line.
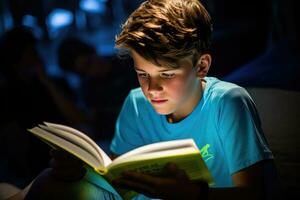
<point x="68" y="168"/>
<point x="148" y="159"/>
<point x="172" y="184"/>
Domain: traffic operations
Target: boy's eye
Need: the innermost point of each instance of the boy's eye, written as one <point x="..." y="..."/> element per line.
<point x="142" y="75"/>
<point x="167" y="75"/>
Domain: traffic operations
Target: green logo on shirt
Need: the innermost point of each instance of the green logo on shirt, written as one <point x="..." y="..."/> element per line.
<point x="205" y="153"/>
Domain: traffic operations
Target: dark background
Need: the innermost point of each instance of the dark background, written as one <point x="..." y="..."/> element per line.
<point x="255" y="44"/>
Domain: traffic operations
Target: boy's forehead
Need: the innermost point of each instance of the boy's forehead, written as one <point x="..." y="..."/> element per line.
<point x="139" y="62"/>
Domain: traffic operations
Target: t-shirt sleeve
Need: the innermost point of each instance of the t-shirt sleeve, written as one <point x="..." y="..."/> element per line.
<point x="127" y="136"/>
<point x="240" y="131"/>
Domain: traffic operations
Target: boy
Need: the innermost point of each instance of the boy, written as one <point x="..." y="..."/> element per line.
<point x="169" y="41"/>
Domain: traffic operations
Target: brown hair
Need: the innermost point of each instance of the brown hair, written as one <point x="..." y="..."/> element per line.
<point x="166" y="31"/>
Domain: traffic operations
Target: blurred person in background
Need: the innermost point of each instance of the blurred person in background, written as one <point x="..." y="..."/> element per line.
<point x="99" y="77"/>
<point x="28" y="97"/>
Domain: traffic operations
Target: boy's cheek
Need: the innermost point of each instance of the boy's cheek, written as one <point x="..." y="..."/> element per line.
<point x="144" y="86"/>
<point x="142" y="82"/>
<point x="176" y="88"/>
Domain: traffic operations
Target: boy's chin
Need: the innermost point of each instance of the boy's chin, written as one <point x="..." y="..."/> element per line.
<point x="163" y="111"/>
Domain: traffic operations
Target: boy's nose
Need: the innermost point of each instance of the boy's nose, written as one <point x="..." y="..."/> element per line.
<point x="154" y="85"/>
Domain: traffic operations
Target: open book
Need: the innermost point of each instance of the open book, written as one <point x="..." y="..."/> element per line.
<point x="149" y="159"/>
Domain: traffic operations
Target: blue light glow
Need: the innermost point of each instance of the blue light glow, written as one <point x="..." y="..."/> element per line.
<point x="29" y="20"/>
<point x="32" y="22"/>
<point x="93" y="6"/>
<point x="59" y="18"/>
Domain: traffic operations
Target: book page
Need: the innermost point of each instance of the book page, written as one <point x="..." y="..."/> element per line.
<point x="68" y="146"/>
<point x="105" y="159"/>
<point x="189" y="160"/>
<point x="159" y="147"/>
<point x="154" y="155"/>
<point x="74" y="140"/>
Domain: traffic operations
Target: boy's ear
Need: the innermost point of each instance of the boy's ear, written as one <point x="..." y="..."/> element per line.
<point x="203" y="65"/>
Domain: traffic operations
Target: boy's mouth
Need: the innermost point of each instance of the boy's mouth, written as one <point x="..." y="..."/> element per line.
<point x="158" y="101"/>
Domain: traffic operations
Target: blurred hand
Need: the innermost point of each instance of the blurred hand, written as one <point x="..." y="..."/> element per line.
<point x="174" y="184"/>
<point x="65" y="166"/>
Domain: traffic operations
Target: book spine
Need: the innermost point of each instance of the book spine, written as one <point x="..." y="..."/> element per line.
<point x="101" y="171"/>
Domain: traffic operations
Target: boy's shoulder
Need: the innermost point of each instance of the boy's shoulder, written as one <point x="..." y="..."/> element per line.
<point x="221" y="89"/>
<point x="137" y="102"/>
<point x="136" y="96"/>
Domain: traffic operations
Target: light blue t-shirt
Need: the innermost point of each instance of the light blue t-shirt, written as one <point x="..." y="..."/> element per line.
<point x="225" y="126"/>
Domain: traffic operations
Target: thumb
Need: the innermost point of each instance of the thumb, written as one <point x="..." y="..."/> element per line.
<point x="172" y="170"/>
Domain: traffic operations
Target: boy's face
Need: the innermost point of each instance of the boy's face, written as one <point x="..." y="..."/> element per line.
<point x="173" y="92"/>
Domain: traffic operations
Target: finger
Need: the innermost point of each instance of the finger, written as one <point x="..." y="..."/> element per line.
<point x="180" y="174"/>
<point x="173" y="171"/>
<point x="141" y="178"/>
<point x="170" y="169"/>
